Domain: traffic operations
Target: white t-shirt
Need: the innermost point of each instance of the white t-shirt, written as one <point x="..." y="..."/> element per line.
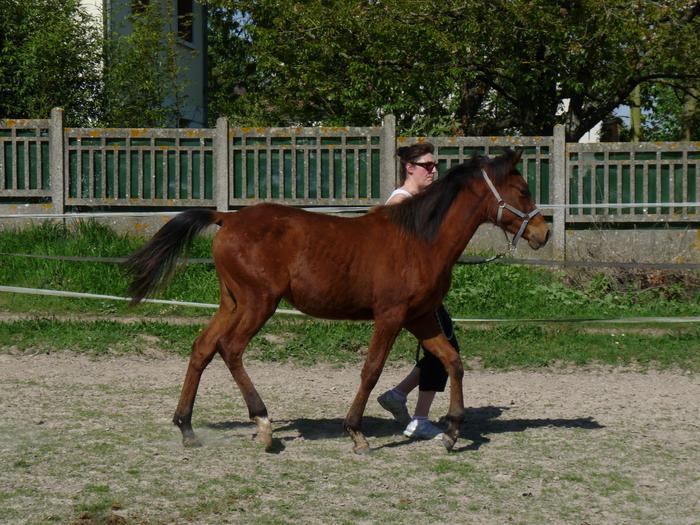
<point x="398" y="191"/>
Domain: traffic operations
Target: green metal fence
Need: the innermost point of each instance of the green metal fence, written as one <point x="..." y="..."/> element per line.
<point x="608" y="176"/>
<point x="139" y="167"/>
<point x="232" y="167"/>
<point x="24" y="158"/>
<point x="309" y="166"/>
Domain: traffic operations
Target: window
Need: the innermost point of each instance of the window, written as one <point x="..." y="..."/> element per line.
<point x="184" y="20"/>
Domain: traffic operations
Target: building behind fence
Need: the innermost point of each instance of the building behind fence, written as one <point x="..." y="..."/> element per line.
<point x="641" y="195"/>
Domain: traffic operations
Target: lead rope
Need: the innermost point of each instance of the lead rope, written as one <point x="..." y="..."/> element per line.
<point x="510" y="249"/>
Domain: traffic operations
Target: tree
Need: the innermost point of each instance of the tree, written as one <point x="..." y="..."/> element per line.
<point x="49" y="57"/>
<point x="670" y="113"/>
<point x="143" y="81"/>
<point x="459" y="65"/>
<point x="230" y="66"/>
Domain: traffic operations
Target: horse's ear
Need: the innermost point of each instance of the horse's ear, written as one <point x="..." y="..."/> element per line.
<point x="515" y="156"/>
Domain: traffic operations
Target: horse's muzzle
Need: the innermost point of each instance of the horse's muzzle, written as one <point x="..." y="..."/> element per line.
<point x="537" y="236"/>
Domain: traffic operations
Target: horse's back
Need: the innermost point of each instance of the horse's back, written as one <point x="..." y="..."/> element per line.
<point x="325" y="265"/>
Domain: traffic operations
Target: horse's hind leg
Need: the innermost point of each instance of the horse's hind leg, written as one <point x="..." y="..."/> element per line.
<point x="231" y="348"/>
<point x="203" y="350"/>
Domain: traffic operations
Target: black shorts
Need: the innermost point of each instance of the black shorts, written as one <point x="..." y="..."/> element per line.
<point x="433" y="376"/>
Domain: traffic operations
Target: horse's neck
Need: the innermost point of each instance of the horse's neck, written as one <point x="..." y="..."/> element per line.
<point x="466" y="214"/>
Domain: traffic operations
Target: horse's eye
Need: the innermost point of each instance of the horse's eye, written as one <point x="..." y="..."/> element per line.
<point x="525" y="193"/>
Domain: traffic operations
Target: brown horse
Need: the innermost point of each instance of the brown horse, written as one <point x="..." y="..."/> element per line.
<point x="392" y="265"/>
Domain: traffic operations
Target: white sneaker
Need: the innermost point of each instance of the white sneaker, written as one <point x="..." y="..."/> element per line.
<point x="397" y="408"/>
<point x="422" y="429"/>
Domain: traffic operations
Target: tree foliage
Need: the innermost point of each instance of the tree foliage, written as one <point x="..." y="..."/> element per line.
<point x="671" y="112"/>
<point x="49" y="56"/>
<point x="143" y="80"/>
<point x="230" y="66"/>
<point x="460" y="66"/>
<point x="53" y="54"/>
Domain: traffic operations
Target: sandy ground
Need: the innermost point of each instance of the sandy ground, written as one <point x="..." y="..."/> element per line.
<point x="598" y="445"/>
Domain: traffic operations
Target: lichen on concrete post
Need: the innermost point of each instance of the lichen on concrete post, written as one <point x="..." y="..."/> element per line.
<point x="388" y="157"/>
<point x="57" y="171"/>
<point x="559" y="187"/>
<point x="221" y="181"/>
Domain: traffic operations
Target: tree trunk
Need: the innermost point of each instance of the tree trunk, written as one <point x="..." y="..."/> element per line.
<point x="636" y="114"/>
<point x="690" y="107"/>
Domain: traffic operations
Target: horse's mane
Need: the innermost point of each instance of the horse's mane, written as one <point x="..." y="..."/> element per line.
<point x="423" y="214"/>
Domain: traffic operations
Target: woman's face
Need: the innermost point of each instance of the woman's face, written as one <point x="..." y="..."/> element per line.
<point x="422" y="171"/>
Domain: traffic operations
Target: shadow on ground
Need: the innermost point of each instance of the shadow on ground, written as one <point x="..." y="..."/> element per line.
<point x="478" y="424"/>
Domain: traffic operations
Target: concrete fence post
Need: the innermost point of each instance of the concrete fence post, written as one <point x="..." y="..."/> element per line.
<point x="221" y="181"/>
<point x="57" y="168"/>
<point x="387" y="145"/>
<point x="560" y="192"/>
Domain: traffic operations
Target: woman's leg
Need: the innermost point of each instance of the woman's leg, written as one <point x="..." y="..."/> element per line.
<point x="409" y="383"/>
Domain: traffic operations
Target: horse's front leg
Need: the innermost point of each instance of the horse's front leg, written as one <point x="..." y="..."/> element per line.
<point x="431" y="337"/>
<point x="382" y="339"/>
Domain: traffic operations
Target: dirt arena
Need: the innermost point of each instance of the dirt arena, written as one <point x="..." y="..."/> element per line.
<point x="89" y="440"/>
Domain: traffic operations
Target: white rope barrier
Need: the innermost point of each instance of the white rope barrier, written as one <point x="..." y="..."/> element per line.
<point x="621" y="320"/>
<point x="82" y="295"/>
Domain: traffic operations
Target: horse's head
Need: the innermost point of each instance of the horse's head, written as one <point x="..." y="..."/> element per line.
<point x="510" y="203"/>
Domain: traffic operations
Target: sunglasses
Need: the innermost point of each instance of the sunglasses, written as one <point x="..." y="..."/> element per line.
<point x="427" y="166"/>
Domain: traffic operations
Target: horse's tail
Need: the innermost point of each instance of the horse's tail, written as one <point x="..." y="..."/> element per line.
<point x="153" y="264"/>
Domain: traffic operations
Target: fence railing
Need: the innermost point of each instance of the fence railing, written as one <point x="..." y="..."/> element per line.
<point x="24" y="158"/>
<point x="306" y="166"/>
<point x="608" y="176"/>
<point x="139" y="167"/>
<point x="229" y="167"/>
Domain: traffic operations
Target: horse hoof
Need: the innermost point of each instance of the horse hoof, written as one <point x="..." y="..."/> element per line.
<point x="266" y="440"/>
<point x="191" y="442"/>
<point x="359" y="443"/>
<point x="362" y="450"/>
<point x="264" y="432"/>
<point x="448" y="442"/>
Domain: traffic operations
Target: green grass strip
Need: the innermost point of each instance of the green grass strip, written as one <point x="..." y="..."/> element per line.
<point x="310" y="342"/>
<point x="478" y="291"/>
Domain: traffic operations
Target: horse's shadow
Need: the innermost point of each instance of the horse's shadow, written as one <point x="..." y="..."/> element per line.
<point x="478" y="424"/>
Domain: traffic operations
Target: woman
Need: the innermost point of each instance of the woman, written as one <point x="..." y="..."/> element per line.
<point x="417" y="171"/>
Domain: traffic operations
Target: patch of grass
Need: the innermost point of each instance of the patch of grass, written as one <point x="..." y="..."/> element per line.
<point x="490" y="291"/>
<point x="310" y="341"/>
<point x="517" y="346"/>
<point x="516" y="291"/>
<point x="572" y="477"/>
<point x="445" y="466"/>
<point x="360" y="514"/>
<point x="94" y="502"/>
<point x="609" y="483"/>
<point x="93" y="337"/>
